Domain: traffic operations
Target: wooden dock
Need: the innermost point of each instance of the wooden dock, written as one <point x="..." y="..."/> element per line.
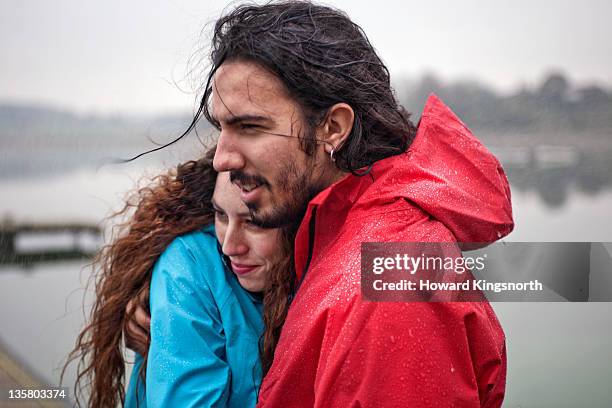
<point x="10" y="233"/>
<point x="14" y="376"/>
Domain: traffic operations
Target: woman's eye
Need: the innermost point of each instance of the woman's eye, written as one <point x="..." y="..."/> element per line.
<point x="220" y="216"/>
<point x="251" y="224"/>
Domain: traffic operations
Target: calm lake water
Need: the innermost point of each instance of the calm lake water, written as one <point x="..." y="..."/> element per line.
<point x="559" y="354"/>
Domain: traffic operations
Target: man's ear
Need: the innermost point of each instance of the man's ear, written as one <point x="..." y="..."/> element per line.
<point x="337" y="126"/>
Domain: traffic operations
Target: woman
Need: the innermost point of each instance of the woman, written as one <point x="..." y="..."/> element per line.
<point x="209" y="344"/>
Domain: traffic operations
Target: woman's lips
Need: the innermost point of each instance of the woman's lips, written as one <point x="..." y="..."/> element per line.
<point x="241" y="269"/>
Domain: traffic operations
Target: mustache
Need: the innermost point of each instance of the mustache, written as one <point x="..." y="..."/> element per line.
<point x="244" y="178"/>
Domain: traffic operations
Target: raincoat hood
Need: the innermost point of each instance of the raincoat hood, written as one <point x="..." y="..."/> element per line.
<point x="447" y="173"/>
<point x="451" y="176"/>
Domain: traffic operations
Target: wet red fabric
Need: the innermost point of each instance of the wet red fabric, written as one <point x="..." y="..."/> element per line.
<point x="337" y="350"/>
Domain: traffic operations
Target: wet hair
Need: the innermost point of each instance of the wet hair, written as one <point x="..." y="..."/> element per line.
<point x="322" y="58"/>
<point x="174" y="203"/>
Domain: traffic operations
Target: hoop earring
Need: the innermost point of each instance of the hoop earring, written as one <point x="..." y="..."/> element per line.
<point x="331" y="154"/>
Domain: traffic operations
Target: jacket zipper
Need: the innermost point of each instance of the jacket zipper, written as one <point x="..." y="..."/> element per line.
<point x="311" y="238"/>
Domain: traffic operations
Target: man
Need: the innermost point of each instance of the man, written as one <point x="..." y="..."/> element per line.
<point x="310" y="130"/>
<point x="304" y="105"/>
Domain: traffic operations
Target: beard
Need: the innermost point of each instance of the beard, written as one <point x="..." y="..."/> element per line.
<point x="294" y="188"/>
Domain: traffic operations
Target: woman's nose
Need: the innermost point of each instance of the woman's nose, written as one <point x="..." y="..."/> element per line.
<point x="233" y="244"/>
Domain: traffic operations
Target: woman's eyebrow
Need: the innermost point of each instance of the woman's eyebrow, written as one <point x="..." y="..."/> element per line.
<point x="216" y="207"/>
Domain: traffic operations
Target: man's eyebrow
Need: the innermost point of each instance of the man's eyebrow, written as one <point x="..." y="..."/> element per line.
<point x="232" y="120"/>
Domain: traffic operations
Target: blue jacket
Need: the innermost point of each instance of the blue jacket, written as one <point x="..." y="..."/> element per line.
<point x="205" y="331"/>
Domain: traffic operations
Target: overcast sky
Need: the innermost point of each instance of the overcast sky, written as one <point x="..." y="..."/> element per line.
<point x="131" y="56"/>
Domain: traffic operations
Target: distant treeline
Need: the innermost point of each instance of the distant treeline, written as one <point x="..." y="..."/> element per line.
<point x="553" y="105"/>
<point x="523" y="127"/>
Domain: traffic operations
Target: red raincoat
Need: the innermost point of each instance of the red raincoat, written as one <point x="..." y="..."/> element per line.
<point x="337" y="350"/>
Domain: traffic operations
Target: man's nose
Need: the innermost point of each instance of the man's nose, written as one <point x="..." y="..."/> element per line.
<point x="228" y="155"/>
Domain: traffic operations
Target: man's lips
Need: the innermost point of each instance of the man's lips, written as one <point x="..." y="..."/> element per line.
<point x="243" y="269"/>
<point x="248" y="184"/>
<point x="247" y="187"/>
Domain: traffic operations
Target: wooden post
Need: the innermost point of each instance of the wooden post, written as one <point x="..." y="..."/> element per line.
<point x="7" y="243"/>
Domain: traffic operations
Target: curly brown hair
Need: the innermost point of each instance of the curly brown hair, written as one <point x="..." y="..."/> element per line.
<point x="174" y="203"/>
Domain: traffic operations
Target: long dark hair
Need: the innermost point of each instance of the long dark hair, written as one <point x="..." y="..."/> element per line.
<point x="322" y="58"/>
<point x="174" y="203"/>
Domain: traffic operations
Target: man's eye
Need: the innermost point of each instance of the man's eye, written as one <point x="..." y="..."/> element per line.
<point x="248" y="126"/>
<point x="215" y="124"/>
